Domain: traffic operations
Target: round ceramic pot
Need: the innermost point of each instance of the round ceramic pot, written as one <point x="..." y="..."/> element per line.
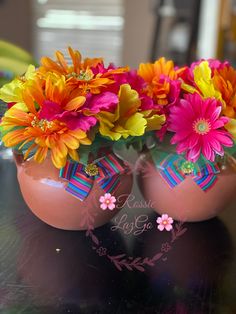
<point x="44" y="193"/>
<point x="186" y="201"/>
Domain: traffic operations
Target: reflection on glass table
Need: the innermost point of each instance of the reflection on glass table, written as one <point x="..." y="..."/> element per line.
<point x="44" y="270"/>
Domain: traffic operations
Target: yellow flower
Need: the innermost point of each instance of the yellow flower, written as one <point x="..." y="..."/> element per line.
<point x="12" y="92"/>
<point x="154" y="121"/>
<point x="203" y="80"/>
<point x="127" y="120"/>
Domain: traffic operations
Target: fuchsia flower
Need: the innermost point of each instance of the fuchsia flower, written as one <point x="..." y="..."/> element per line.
<point x="107" y="201"/>
<point x="199" y="128"/>
<point x="165" y="222"/>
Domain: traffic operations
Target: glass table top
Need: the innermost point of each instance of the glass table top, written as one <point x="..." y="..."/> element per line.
<point x="45" y="270"/>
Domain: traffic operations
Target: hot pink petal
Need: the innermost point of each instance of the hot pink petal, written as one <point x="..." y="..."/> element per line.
<point x="198" y="127"/>
<point x="49" y="110"/>
<point x="107" y="101"/>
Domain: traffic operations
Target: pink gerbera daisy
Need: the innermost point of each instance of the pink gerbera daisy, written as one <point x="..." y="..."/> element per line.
<point x="199" y="128"/>
<point x="107" y="201"/>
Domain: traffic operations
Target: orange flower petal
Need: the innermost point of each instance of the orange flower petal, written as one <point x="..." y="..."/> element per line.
<point x="70" y="141"/>
<point x="57" y="160"/>
<point x="50" y="65"/>
<point x="75" y="103"/>
<point x="61" y="60"/>
<point x="76" y="59"/>
<point x="14" y="138"/>
<point x="41" y="154"/>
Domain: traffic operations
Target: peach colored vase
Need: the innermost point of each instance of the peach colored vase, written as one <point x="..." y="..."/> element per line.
<point x="44" y="193"/>
<point x="186" y="201"/>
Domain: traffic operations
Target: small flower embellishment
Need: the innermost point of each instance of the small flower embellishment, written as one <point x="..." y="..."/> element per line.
<point x="164" y="222"/>
<point x="102" y="251"/>
<point x="107" y="201"/>
<point x="165" y="248"/>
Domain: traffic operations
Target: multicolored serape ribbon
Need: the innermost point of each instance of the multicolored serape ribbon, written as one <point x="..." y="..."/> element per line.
<point x="174" y="169"/>
<point x="106" y="172"/>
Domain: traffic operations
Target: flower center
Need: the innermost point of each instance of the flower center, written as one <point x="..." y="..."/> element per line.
<point x="83" y="75"/>
<point x="165" y="222"/>
<point x="43" y="124"/>
<point x="201" y="126"/>
<point x="91" y="170"/>
<point x="187" y="167"/>
<point x="107" y="202"/>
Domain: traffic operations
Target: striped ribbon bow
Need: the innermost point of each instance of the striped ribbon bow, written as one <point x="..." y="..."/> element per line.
<point x="106" y="172"/>
<point x="174" y="169"/>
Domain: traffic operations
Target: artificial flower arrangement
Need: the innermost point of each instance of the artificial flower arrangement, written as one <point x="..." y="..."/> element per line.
<point x="57" y="108"/>
<point x="68" y="110"/>
<point x="198" y="136"/>
<point x="199" y="104"/>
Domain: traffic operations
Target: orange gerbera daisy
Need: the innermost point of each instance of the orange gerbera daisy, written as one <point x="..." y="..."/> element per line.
<point x="158" y="76"/>
<point x="21" y="128"/>
<point x="81" y="74"/>
<point x="225" y="81"/>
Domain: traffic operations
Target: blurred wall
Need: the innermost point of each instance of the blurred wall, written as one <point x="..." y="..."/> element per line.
<point x="15" y="22"/>
<point x="139" y="22"/>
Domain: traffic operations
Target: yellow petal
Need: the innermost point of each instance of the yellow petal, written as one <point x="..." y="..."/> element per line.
<point x="202" y="78"/>
<point x="57" y="160"/>
<point x="155" y="122"/>
<point x="106" y="130"/>
<point x="85" y="141"/>
<point x="136" y="124"/>
<point x="70" y="141"/>
<point x="129" y="101"/>
<point x="74" y="154"/>
<point x="11" y="92"/>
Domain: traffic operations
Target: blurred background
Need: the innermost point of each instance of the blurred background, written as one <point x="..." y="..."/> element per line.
<point x="123" y="31"/>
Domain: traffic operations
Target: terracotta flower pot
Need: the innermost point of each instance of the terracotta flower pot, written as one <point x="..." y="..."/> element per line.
<point x="44" y="193"/>
<point x="187" y="200"/>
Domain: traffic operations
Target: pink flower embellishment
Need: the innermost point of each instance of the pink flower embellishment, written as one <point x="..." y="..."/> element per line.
<point x="165" y="222"/>
<point x="107" y="201"/>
